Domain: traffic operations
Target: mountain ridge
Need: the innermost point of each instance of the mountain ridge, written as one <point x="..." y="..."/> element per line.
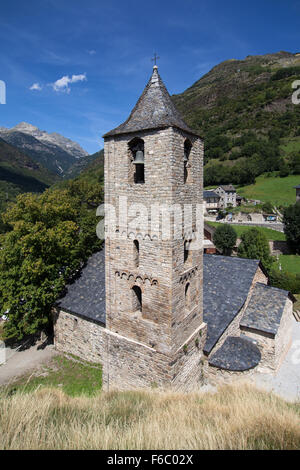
<point x="54" y="137"/>
<point x="53" y="151"/>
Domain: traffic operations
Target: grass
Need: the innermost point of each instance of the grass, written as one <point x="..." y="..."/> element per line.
<point x="278" y="191"/>
<point x="240" y="229"/>
<point x="71" y="374"/>
<point x="235" y="417"/>
<point x="290" y="263"/>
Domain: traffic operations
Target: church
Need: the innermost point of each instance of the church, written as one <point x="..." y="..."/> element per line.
<point x="155" y="310"/>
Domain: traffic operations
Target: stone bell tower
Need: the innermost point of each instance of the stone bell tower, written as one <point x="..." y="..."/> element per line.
<point x="154" y="267"/>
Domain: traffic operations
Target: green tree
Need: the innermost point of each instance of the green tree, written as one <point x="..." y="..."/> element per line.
<point x="225" y="239"/>
<point x="291" y="220"/>
<point x="50" y="237"/>
<point x="254" y="245"/>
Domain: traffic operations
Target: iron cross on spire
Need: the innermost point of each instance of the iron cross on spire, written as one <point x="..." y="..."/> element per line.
<point x="155" y="58"/>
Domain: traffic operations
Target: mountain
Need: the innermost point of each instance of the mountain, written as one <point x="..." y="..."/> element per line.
<point x="19" y="173"/>
<point x="84" y="164"/>
<point x="243" y="109"/>
<point x="95" y="170"/>
<point x="54" y="138"/>
<point x="53" y="151"/>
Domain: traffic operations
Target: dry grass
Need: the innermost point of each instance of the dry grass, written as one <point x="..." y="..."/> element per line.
<point x="236" y="417"/>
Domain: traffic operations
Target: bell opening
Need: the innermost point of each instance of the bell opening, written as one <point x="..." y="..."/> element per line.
<point x="139" y="176"/>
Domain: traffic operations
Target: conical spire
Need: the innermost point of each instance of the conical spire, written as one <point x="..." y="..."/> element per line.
<point x="153" y="110"/>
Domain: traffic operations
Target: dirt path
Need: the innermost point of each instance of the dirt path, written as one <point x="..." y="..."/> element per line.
<point x="25" y="361"/>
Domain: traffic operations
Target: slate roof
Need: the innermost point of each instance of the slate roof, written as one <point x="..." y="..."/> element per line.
<point x="265" y="309"/>
<point x="228" y="187"/>
<point x="297" y="187"/>
<point x="207" y="194"/>
<point x="153" y="110"/>
<point x="226" y="284"/>
<point x="86" y="295"/>
<point x="236" y="354"/>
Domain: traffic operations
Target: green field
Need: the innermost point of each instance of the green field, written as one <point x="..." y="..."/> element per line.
<point x="290" y="263"/>
<point x="278" y="191"/>
<point x="240" y="229"/>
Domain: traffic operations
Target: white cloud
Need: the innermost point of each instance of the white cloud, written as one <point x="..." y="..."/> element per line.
<point x="91" y="52"/>
<point x="62" y="84"/>
<point x="36" y="86"/>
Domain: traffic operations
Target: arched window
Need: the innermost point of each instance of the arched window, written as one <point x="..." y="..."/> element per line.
<point x="186" y="162"/>
<point x="136" y="157"/>
<point x="187" y="257"/>
<point x="136" y="299"/>
<point x="136" y="253"/>
<point x="187" y="296"/>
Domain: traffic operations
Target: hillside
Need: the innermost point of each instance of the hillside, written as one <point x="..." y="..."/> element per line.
<point x="53" y="151"/>
<point x="244" y="111"/>
<point x="86" y="165"/>
<point x="19" y="173"/>
<point x="95" y="170"/>
<point x="278" y="191"/>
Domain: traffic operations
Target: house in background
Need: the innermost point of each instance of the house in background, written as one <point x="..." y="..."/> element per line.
<point x="297" y="192"/>
<point x="211" y="202"/>
<point x="227" y="195"/>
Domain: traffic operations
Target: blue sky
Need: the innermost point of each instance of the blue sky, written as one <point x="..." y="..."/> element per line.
<point x="88" y="62"/>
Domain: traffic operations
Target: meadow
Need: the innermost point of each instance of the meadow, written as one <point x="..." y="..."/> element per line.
<point x="235" y="417"/>
<point x="290" y="263"/>
<point x="278" y="191"/>
<point x="240" y="229"/>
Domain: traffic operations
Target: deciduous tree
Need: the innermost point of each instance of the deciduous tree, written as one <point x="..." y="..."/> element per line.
<point x="225" y="239"/>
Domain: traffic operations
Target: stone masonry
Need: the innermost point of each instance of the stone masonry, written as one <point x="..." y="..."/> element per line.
<point x="155" y="340"/>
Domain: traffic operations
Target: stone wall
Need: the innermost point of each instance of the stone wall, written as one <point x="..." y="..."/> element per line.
<point x="134" y="365"/>
<point x="79" y="336"/>
<point x="129" y="364"/>
<point x="273" y="348"/>
<point x="279" y="247"/>
<point x="217" y="376"/>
